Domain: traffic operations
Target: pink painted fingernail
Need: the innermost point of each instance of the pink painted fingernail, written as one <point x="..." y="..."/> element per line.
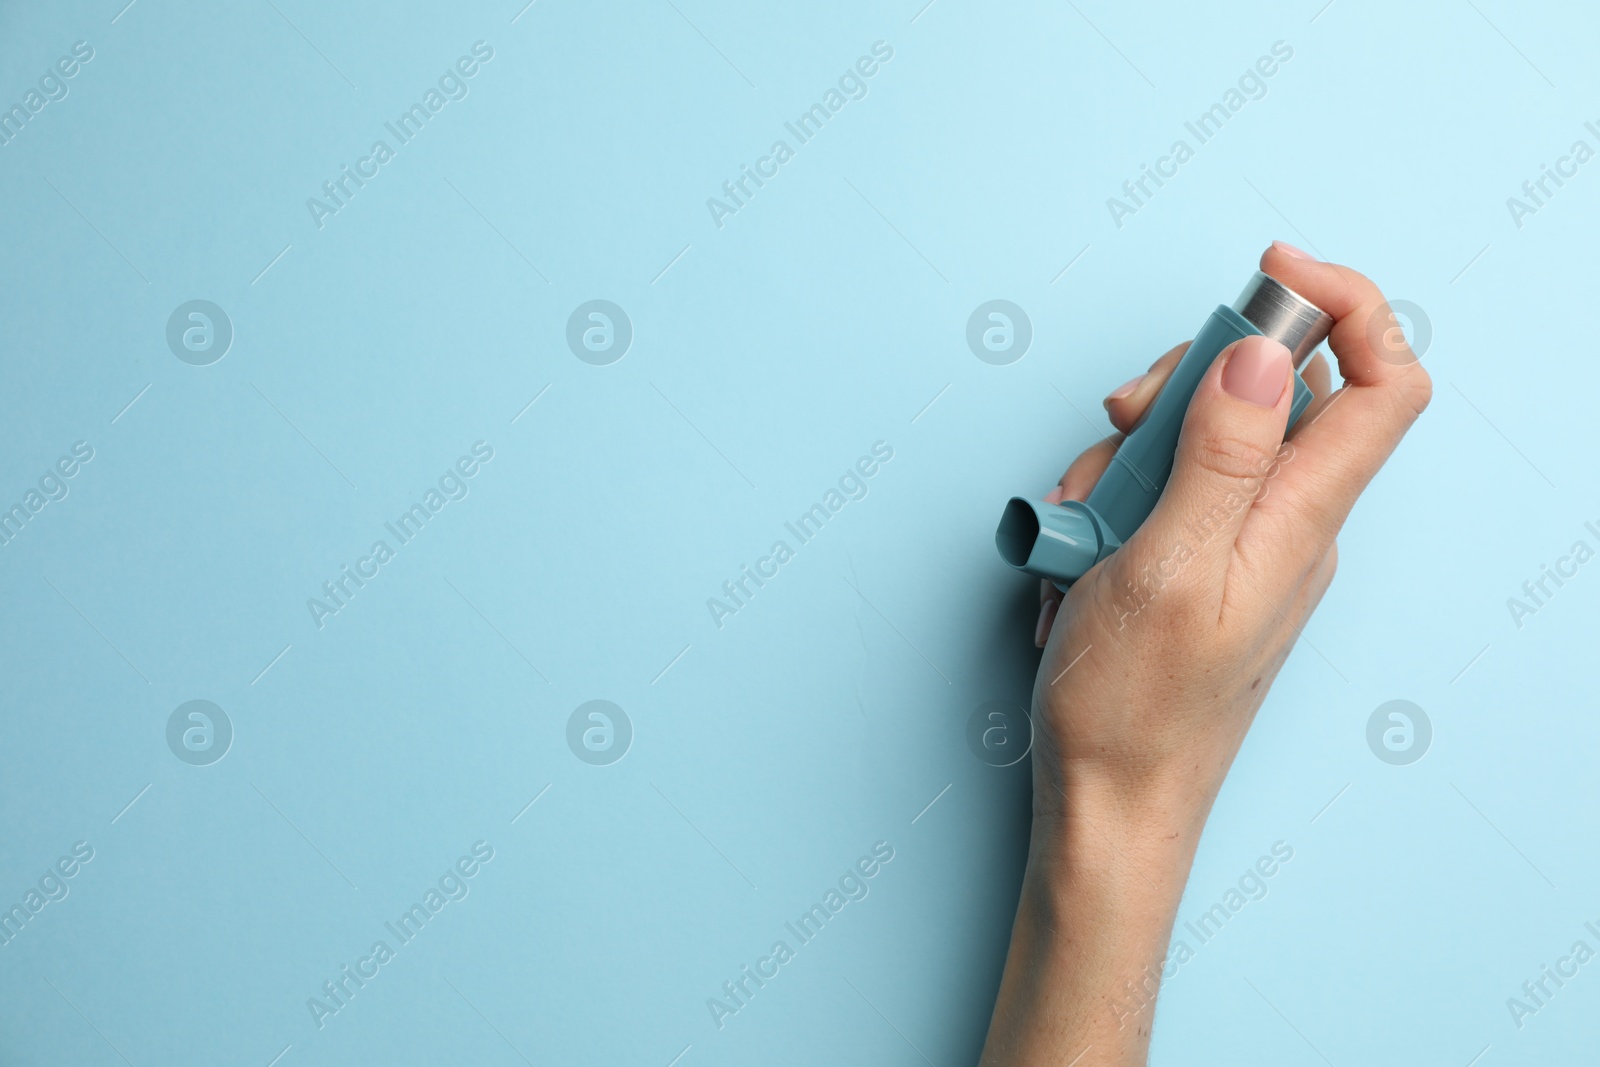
<point x="1290" y="250"/>
<point x="1054" y="496"/>
<point x="1125" y="389"/>
<point x="1047" y="616"/>
<point x="1257" y="370"/>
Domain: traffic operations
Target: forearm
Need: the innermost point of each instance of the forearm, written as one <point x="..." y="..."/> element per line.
<point x="1097" y="905"/>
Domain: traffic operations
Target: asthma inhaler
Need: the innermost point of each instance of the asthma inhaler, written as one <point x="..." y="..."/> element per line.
<point x="1062" y="541"/>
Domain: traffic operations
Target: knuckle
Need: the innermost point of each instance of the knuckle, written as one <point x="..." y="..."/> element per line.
<point x="1418" y="388"/>
<point x="1191" y="599"/>
<point x="1410" y="393"/>
<point x="1363" y="289"/>
<point x="1233" y="457"/>
<point x="1158" y="586"/>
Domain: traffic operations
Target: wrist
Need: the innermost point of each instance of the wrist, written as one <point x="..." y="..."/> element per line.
<point x="1106" y="869"/>
<point x="1116" y="826"/>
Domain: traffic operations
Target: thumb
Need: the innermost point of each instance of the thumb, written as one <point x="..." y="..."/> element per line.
<point x="1231" y="435"/>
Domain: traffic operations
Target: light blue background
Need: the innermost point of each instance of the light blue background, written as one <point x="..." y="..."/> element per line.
<point x="827" y="714"/>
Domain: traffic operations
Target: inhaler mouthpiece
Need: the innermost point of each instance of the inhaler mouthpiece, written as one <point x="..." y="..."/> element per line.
<point x="1056" y="541"/>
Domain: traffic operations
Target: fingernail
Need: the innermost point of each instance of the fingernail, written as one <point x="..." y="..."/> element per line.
<point x="1256" y="371"/>
<point x="1290" y="250"/>
<point x="1125" y="389"/>
<point x="1054" y="496"/>
<point x="1047" y="616"/>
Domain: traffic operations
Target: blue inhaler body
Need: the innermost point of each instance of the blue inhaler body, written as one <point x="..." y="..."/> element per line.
<point x="1062" y="541"/>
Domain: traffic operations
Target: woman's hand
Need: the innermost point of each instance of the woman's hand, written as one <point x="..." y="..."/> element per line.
<point x="1157" y="659"/>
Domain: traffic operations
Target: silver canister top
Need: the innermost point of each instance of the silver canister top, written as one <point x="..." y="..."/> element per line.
<point x="1284" y="315"/>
